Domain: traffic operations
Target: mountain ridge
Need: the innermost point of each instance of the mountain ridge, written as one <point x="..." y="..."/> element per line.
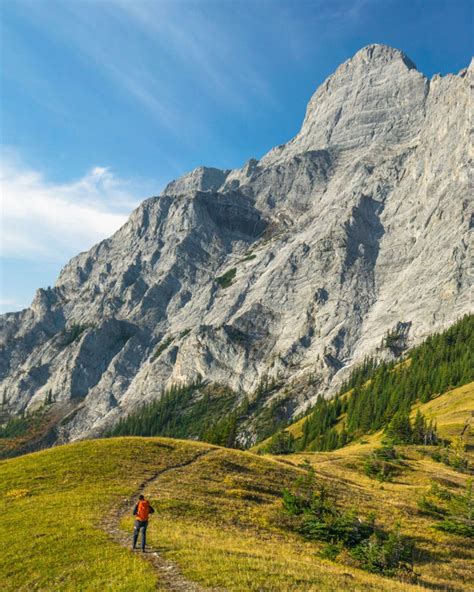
<point x="336" y="237"/>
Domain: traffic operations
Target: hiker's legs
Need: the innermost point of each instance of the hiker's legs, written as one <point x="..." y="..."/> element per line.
<point x="144" y="525"/>
<point x="136" y="530"/>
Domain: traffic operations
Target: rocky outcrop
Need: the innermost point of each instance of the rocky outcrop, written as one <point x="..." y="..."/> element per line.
<point x="294" y="266"/>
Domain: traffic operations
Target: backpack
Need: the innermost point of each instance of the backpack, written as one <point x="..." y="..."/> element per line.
<point x="143" y="510"/>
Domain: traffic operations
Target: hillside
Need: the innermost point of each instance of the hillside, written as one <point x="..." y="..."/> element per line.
<point x="377" y="395"/>
<point x="453" y="412"/>
<point x="290" y="270"/>
<point x="373" y="394"/>
<point x="219" y="521"/>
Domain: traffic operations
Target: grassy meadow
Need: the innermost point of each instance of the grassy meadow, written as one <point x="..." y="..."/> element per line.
<point x="52" y="504"/>
<point x="218" y="518"/>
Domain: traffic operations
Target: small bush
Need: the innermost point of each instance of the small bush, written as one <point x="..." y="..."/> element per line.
<point x="451" y="526"/>
<point x="161" y="348"/>
<point x="331" y="551"/>
<point x="453" y="455"/>
<point x="454" y="510"/>
<point x="428" y="507"/>
<point x="225" y="280"/>
<point x="383" y="464"/>
<point x="389" y="555"/>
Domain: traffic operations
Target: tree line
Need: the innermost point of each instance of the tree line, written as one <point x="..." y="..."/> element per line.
<point x="380" y="394"/>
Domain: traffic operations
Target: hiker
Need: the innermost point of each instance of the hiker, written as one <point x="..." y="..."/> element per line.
<point x="141" y="511"/>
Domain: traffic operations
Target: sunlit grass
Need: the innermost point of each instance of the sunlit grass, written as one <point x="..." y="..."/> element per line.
<point x="218" y="518"/>
<point x="451" y="411"/>
<point x="52" y="503"/>
<point x="442" y="560"/>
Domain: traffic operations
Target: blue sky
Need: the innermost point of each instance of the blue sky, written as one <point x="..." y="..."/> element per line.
<point x="103" y="102"/>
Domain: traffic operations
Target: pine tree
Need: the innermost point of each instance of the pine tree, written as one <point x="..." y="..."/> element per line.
<point x="419" y="429"/>
<point x="399" y="429"/>
<point x="282" y="442"/>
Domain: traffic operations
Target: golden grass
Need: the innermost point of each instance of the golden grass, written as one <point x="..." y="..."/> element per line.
<point x="444" y="561"/>
<point x="451" y="411"/>
<point x="218" y="518"/>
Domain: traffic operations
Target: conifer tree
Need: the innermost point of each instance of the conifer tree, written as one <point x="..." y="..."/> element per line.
<point x="399" y="429"/>
<point x="419" y="429"/>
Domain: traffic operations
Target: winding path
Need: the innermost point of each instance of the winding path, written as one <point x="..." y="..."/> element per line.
<point x="170" y="576"/>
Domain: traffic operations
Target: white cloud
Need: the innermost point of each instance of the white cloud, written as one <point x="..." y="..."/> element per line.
<point x="44" y="221"/>
<point x="7" y="304"/>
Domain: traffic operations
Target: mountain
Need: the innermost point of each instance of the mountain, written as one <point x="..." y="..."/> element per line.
<point x="285" y="273"/>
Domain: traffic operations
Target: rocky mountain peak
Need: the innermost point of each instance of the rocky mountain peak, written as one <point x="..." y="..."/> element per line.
<point x="376" y="55"/>
<point x="292" y="268"/>
<point x="375" y="97"/>
<point x="200" y="179"/>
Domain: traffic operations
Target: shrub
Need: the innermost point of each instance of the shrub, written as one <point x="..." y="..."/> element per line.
<point x="383" y="463"/>
<point x="454" y="510"/>
<point x="225" y="280"/>
<point x="454" y="455"/>
<point x="297" y="501"/>
<point x="460" y="513"/>
<point x="317" y="517"/>
<point x="331" y="551"/>
<point x="389" y="555"/>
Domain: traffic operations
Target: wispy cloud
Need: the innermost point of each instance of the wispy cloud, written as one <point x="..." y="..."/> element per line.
<point x="7" y="304"/>
<point x="161" y="54"/>
<point x="223" y="66"/>
<point x="44" y="221"/>
<point x="143" y="73"/>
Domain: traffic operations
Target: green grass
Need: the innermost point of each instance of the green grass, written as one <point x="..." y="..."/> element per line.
<point x="219" y="518"/>
<point x="51" y="506"/>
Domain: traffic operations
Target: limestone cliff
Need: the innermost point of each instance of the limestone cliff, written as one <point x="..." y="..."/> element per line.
<point x="357" y="226"/>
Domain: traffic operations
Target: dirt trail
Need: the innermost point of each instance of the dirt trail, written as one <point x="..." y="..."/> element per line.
<point x="170" y="576"/>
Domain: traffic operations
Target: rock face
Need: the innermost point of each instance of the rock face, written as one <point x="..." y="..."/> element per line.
<point x="296" y="265"/>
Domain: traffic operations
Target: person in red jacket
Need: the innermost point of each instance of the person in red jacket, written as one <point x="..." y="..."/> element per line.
<point x="141" y="511"/>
